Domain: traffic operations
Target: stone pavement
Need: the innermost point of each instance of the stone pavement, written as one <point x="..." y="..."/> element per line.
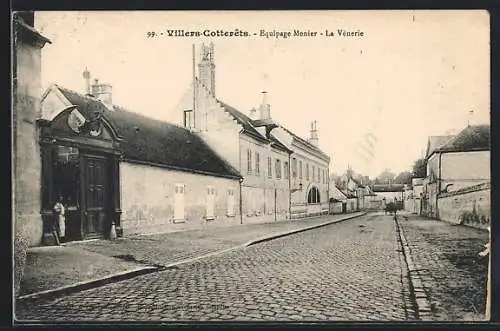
<point x="50" y="268"/>
<point x="349" y="271"/>
<point x="344" y="271"/>
<point x="453" y="274"/>
<point x="167" y="248"/>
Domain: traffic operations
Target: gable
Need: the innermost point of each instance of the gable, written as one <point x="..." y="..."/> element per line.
<point x="53" y="103"/>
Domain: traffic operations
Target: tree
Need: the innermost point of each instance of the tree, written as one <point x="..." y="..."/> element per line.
<point x="386" y="177"/>
<point x="419" y="168"/>
<point x="403" y="177"/>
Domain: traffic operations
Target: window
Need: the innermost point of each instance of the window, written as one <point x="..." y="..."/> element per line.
<point x="313" y="195"/>
<point x="257" y="163"/>
<point x="249" y="160"/>
<point x="210" y="203"/>
<point x="300" y="169"/>
<point x="188" y="118"/>
<point x="319" y="175"/>
<point x="307" y="171"/>
<point x="269" y="167"/>
<point x="314" y="173"/>
<point x="278" y="168"/>
<point x="179" y="202"/>
<point x="294" y="168"/>
<point x="286" y="170"/>
<point x="230" y="201"/>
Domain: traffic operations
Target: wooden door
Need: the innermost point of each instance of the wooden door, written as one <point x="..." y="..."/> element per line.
<point x="95" y="209"/>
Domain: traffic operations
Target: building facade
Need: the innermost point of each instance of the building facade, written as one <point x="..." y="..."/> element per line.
<point x="455" y="163"/>
<point x="284" y="176"/>
<point x="417" y="185"/>
<point x="113" y="166"/>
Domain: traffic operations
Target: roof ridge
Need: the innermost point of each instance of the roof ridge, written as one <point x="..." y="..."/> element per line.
<point x="121" y="108"/>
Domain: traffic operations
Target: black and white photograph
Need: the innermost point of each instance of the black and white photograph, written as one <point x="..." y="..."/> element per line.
<point x="251" y="166"/>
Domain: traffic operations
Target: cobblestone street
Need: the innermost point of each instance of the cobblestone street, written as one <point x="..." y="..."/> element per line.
<point x="353" y="270"/>
<point x="346" y="271"/>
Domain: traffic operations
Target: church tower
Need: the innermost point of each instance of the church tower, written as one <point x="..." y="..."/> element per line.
<point x="206" y="68"/>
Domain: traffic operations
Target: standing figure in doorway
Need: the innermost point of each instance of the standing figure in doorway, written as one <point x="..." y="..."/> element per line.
<point x="60" y="219"/>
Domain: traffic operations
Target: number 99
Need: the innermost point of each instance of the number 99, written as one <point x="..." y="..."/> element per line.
<point x="151" y="34"/>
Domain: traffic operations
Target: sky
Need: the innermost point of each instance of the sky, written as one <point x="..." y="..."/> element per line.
<point x="376" y="97"/>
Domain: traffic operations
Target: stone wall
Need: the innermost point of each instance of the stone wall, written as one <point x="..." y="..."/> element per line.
<point x="469" y="206"/>
<point x="148" y="199"/>
<point x="26" y="172"/>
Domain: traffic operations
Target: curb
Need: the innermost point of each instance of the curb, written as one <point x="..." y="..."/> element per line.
<point x="421" y="300"/>
<point x="81" y="286"/>
<point x="85" y="285"/>
<point x="286" y="233"/>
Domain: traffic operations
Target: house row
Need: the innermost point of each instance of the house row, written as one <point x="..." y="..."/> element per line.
<point x="457" y="183"/>
<point x="352" y="195"/>
<point x="212" y="165"/>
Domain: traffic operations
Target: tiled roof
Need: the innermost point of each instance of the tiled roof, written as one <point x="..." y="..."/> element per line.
<point x="474" y="137"/>
<point x="250" y="125"/>
<point x="435" y="142"/>
<point x="357" y="183"/>
<point x="388" y="188"/>
<point x="243" y="120"/>
<point x="302" y="140"/>
<point x="152" y="141"/>
<point x="20" y="23"/>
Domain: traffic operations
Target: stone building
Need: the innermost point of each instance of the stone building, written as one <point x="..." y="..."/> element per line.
<point x="26" y="60"/>
<point x="113" y="165"/>
<point x="456" y="163"/>
<point x="283" y="175"/>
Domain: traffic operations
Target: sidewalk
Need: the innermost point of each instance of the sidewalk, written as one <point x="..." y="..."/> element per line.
<point x="52" y="270"/>
<point x="447" y="263"/>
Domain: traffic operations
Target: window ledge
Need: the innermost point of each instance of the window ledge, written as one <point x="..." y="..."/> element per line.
<point x="179" y="221"/>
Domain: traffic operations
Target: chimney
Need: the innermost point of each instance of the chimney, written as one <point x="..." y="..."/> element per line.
<point x="265" y="107"/>
<point x="103" y="92"/>
<point x="206" y="68"/>
<point x="86" y="76"/>
<point x="253" y="113"/>
<point x="314" y="134"/>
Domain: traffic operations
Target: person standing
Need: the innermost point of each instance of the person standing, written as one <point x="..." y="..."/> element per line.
<point x="60" y="219"/>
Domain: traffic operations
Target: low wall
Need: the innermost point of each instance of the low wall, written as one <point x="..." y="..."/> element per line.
<point x="336" y="208"/>
<point x="148" y="200"/>
<point x="469" y="206"/>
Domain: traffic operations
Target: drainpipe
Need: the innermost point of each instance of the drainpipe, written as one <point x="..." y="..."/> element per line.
<point x="439" y="185"/>
<point x="289" y="186"/>
<point x="241" y="201"/>
<point x="328" y="189"/>
<point x="241" y="179"/>
<point x="275" y="204"/>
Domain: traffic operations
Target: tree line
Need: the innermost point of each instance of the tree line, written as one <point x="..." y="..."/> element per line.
<point x="419" y="170"/>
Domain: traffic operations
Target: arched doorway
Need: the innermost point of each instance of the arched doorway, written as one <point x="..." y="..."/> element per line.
<point x="80" y="167"/>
